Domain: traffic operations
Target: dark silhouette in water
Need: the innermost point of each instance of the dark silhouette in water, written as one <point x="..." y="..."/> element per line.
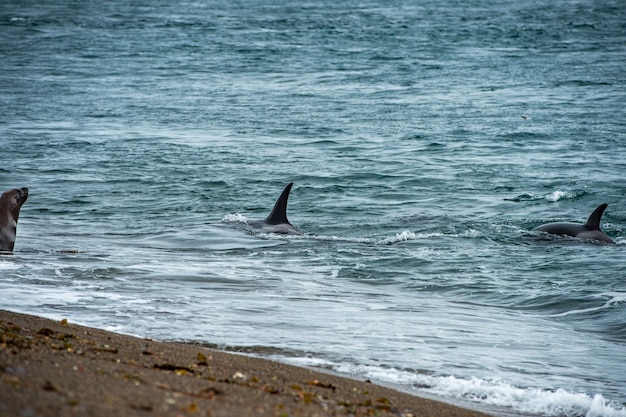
<point x="590" y="230"/>
<point x="277" y="221"/>
<point x="11" y="202"/>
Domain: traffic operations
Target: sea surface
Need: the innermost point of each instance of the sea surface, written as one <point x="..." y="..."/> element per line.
<point x="424" y="138"/>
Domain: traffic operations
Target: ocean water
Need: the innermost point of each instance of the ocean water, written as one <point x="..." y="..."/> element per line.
<point x="424" y="138"/>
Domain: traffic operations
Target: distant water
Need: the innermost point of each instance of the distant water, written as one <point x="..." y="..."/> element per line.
<point x="424" y="138"/>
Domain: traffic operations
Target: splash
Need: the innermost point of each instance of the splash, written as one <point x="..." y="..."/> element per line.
<point x="559" y="195"/>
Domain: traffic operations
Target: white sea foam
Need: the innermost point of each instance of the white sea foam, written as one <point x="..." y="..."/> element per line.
<point x="528" y="400"/>
<point x="337" y="238"/>
<point x="472" y="233"/>
<point x="558" y="402"/>
<point x="559" y="195"/>
<point x="235" y="218"/>
<point x="399" y="237"/>
<point x="408" y="236"/>
<point x="7" y="265"/>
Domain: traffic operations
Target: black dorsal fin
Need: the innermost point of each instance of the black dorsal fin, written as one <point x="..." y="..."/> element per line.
<point x="594" y="220"/>
<point x="279" y="212"/>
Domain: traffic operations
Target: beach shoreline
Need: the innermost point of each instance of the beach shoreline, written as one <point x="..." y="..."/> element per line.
<point x="56" y="368"/>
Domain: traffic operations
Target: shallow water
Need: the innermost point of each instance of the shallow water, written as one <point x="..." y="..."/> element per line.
<point x="149" y="134"/>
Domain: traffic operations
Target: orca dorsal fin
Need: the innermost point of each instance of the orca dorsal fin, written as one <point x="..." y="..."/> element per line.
<point x="279" y="212"/>
<point x="593" y="221"/>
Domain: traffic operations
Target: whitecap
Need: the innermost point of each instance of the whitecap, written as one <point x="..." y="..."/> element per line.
<point x="408" y="236"/>
<point x="472" y="233"/>
<point x="399" y="237"/>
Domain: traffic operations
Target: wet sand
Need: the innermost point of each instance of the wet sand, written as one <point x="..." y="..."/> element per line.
<point x="56" y="368"/>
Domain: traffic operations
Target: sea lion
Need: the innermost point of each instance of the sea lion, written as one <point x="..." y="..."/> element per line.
<point x="10" y="204"/>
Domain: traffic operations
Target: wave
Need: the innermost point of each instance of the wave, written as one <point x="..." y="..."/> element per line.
<point x="557" y="402"/>
<point x="615" y="298"/>
<point x="493" y="392"/>
<point x="404" y="236"/>
<point x="410" y="236"/>
<point x="238" y="218"/>
<point x="559" y="195"/>
<point x="554" y="196"/>
<point x="407" y="236"/>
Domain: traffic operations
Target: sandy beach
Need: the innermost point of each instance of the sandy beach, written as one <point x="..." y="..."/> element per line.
<point x="56" y="368"/>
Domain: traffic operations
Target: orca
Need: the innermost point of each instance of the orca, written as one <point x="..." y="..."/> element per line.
<point x="277" y="221"/>
<point x="588" y="231"/>
<point x="11" y="202"/>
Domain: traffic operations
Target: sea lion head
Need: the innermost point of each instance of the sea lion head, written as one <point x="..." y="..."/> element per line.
<point x="10" y="204"/>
